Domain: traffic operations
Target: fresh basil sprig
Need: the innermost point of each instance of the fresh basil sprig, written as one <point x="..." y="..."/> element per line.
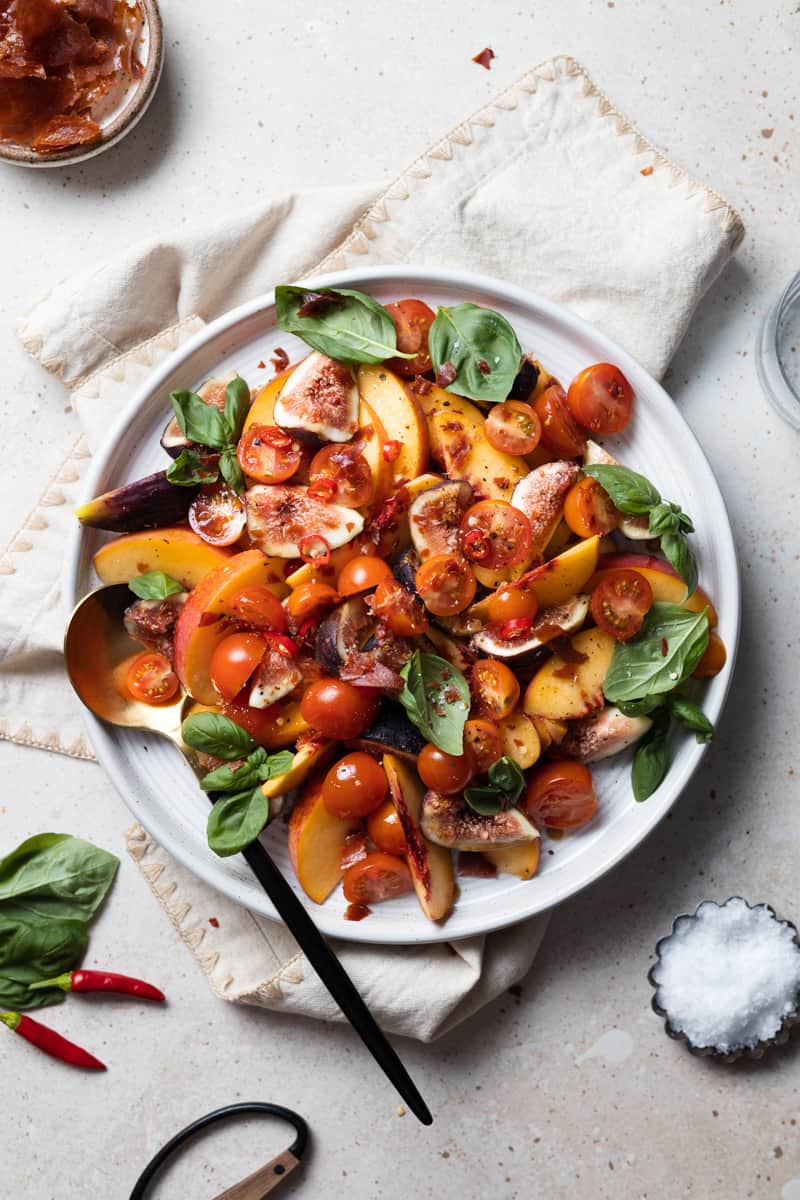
<point x="155" y="585"/>
<point x="205" y="425"/>
<point x="218" y="735"/>
<point x="506" y="785"/>
<point x="635" y="496"/>
<point x="692" y="716"/>
<point x="258" y="767"/>
<point x="344" y="324"/>
<point x="436" y="698"/>
<point x="191" y="468"/>
<point x="662" y="654"/>
<point x="482" y="347"/>
<point x="236" y="820"/>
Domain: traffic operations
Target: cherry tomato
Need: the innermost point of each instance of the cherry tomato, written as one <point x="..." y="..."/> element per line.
<point x="376" y="877"/>
<point x="151" y="678"/>
<point x="268" y="454"/>
<point x="513" y="427"/>
<point x="347" y="468"/>
<point x="495" y="534"/>
<point x="560" y="795"/>
<point x="397" y="608"/>
<point x="260" y="607"/>
<point x="384" y="827"/>
<point x="588" y="509"/>
<point x="362" y="574"/>
<point x="485" y="740"/>
<point x="714" y="658"/>
<point x="560" y="434"/>
<point x="495" y="687"/>
<point x="234" y="660"/>
<point x="446" y="584"/>
<point x="338" y="709"/>
<point x="601" y="399"/>
<point x="217" y="514"/>
<point x="512" y="602"/>
<point x="355" y="786"/>
<point x="309" y="601"/>
<point x="620" y="601"/>
<point x="412" y="320"/>
<point x="445" y="773"/>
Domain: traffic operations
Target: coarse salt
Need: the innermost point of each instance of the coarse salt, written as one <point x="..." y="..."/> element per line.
<point x="728" y="976"/>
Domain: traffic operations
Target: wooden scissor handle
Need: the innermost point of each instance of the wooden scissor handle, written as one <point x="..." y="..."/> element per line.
<point x="264" y="1180"/>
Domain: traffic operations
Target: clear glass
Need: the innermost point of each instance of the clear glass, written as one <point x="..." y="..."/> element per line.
<point x="778" y="353"/>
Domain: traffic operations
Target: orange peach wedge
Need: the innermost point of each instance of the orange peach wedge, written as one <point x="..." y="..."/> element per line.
<point x="430" y="865"/>
<point x="176" y="551"/>
<point x="316" y="843"/>
<point x="665" y="581"/>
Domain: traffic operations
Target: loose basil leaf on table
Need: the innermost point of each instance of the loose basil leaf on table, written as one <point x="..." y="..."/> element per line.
<point x="344" y="324"/>
<point x="191" y="468"/>
<point x="212" y="733"/>
<point x="663" y="653"/>
<point x="236" y="820"/>
<point x="506" y="785"/>
<point x="436" y="698"/>
<point x="481" y="346"/>
<point x="651" y="760"/>
<point x="155" y="585"/>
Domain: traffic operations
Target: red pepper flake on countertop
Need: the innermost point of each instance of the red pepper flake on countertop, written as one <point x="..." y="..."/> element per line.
<point x="484" y="58"/>
<point x="646" y="171"/>
<point x="50" y="1042"/>
<point x="101" y="981"/>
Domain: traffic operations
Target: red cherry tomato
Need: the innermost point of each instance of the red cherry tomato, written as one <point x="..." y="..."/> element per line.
<point x="601" y="399"/>
<point x="263" y="724"/>
<point x="495" y="688"/>
<point x="588" y="509"/>
<point x="384" y="827"/>
<point x="355" y="786"/>
<point x="560" y="433"/>
<point x="445" y="773"/>
<point x="234" y="660"/>
<point x="512" y="602"/>
<point x="347" y="468"/>
<point x="376" y="877"/>
<point x="217" y="514"/>
<point x="310" y="601"/>
<point x="398" y="609"/>
<point x="268" y="454"/>
<point x="338" y="709"/>
<point x="560" y="795"/>
<point x="620" y="601"/>
<point x="151" y="679"/>
<point x="485" y="741"/>
<point x="714" y="658"/>
<point x="260" y="607"/>
<point x="446" y="584"/>
<point x="362" y="574"/>
<point x="495" y="534"/>
<point x="513" y="427"/>
<point x="412" y="320"/>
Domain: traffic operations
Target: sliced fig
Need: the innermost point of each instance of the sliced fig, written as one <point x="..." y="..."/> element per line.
<point x="435" y="517"/>
<point x="603" y="734"/>
<point x="540" y="495"/>
<point x="455" y="652"/>
<point x="526" y="379"/>
<point x="281" y="516"/>
<point x="391" y="730"/>
<point x="549" y="624"/>
<point x="213" y="393"/>
<point x="320" y="399"/>
<point x="447" y="821"/>
<point x="145" y="504"/>
<point x="635" y="528"/>
<point x="276" y="676"/>
<point x="346" y="628"/>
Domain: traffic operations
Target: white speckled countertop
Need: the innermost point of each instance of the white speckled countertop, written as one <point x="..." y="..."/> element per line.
<point x="570" y="1088"/>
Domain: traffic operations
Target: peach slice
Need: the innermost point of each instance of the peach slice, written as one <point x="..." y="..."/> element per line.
<point x="521" y="860"/>
<point x="564" y="576"/>
<point x="176" y="551"/>
<point x="430" y="865"/>
<point x="316" y="843"/>
<point x="262" y="410"/>
<point x="458" y="442"/>
<point x="665" y="581"/>
<point x="314" y="753"/>
<point x="562" y="690"/>
<point x="402" y="417"/>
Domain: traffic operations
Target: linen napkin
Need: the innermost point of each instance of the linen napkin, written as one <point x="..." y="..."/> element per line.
<point x="504" y="194"/>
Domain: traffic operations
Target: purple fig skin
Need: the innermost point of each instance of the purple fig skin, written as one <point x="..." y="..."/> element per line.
<point x="147" y="503"/>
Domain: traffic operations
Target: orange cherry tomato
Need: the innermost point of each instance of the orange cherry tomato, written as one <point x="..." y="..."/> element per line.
<point x="560" y="433"/>
<point x="560" y="795"/>
<point x="269" y="454"/>
<point x="714" y="658"/>
<point x="601" y="399"/>
<point x="309" y="601"/>
<point x="234" y="660"/>
<point x="495" y="534"/>
<point x="376" y="877"/>
<point x="445" y="773"/>
<point x="446" y="584"/>
<point x="620" y="602"/>
<point x="151" y="678"/>
<point x="485" y="740"/>
<point x="338" y="709"/>
<point x="513" y="427"/>
<point x="512" y="602"/>
<point x="397" y="608"/>
<point x="412" y="320"/>
<point x="348" y="470"/>
<point x="384" y="827"/>
<point x="495" y="688"/>
<point x="362" y="574"/>
<point x="217" y="514"/>
<point x="260" y="607"/>
<point x="588" y="509"/>
<point x="355" y="786"/>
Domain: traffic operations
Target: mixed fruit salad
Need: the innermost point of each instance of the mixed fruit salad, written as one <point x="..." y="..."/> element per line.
<point x="410" y="597"/>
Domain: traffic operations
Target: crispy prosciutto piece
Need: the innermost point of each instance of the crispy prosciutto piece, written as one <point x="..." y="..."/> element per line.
<point x="152" y="622"/>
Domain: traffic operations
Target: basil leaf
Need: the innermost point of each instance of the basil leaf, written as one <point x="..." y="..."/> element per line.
<point x="640" y="708"/>
<point x="57" y="875"/>
<point x="214" y="734"/>
<point x="237" y="406"/>
<point x="692" y="716"/>
<point x="230" y="470"/>
<point x="236" y="821"/>
<point x="276" y="764"/>
<point x="663" y="653"/>
<point x="191" y="468"/>
<point x="33" y="949"/>
<point x="155" y="585"/>
<point x="678" y="552"/>
<point x="651" y="760"/>
<point x="231" y="779"/>
<point x="631" y="492"/>
<point x="352" y="327"/>
<point x="482" y="347"/>
<point x="484" y="800"/>
<point x="436" y="698"/>
<point x="664" y="518"/>
<point x="198" y="421"/>
<point x="506" y="785"/>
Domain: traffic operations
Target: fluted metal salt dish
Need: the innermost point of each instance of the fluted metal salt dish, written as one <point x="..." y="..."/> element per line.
<point x="778" y="353"/>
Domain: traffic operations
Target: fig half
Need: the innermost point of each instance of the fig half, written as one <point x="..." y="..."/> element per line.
<point x="447" y="821"/>
<point x="281" y="516"/>
<point x="320" y="400"/>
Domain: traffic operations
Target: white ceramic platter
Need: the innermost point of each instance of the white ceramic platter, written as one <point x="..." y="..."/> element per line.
<point x="159" y="787"/>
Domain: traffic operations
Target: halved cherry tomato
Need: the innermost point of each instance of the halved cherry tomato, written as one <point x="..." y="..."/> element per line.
<point x="495" y="534"/>
<point x="620" y="601"/>
<point x="412" y="320"/>
<point x="513" y="427"/>
<point x="376" y="877"/>
<point x="714" y="658"/>
<point x="348" y="469"/>
<point x="512" y="602"/>
<point x="362" y="574"/>
<point x="309" y="601"/>
<point x="560" y="795"/>
<point x="269" y="454"/>
<point x="384" y="827"/>
<point x="485" y="741"/>
<point x="397" y="608"/>
<point x="260" y="607"/>
<point x="601" y="399"/>
<point x="495" y="688"/>
<point x="445" y="773"/>
<point x="151" y="678"/>
<point x="217" y="514"/>
<point x="234" y="660"/>
<point x="560" y="434"/>
<point x="588" y="509"/>
<point x="355" y="786"/>
<point x="446" y="584"/>
<point x="338" y="709"/>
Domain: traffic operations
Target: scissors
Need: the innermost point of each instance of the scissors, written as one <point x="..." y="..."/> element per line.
<point x="263" y="1181"/>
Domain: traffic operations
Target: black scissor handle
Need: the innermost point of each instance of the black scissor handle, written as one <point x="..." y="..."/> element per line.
<point x="280" y="1167"/>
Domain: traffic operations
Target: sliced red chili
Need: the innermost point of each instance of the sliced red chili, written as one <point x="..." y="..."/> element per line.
<point x="323" y="488"/>
<point x="477" y="545"/>
<point x="314" y="549"/>
<point x="391" y="451"/>
<point x="515" y="627"/>
<point x="283" y="644"/>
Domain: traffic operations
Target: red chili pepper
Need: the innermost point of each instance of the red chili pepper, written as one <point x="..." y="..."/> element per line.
<point x="314" y="549"/>
<point x="391" y="451"/>
<point x="283" y="644"/>
<point x="101" y="981"/>
<point x="515" y="627"/>
<point x="477" y="545"/>
<point x="50" y="1042"/>
<point x="323" y="488"/>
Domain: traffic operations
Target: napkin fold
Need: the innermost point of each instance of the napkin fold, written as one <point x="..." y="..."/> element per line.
<point x="505" y="194"/>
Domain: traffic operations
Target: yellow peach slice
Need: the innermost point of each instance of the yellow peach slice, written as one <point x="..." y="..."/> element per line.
<point x="177" y="552"/>
<point x="316" y="841"/>
<point x="430" y="865"/>
<point x="521" y="860"/>
<point x="562" y="690"/>
<point x="402" y="417"/>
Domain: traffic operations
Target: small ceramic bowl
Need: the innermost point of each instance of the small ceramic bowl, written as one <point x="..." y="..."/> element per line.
<point x="116" y="114"/>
